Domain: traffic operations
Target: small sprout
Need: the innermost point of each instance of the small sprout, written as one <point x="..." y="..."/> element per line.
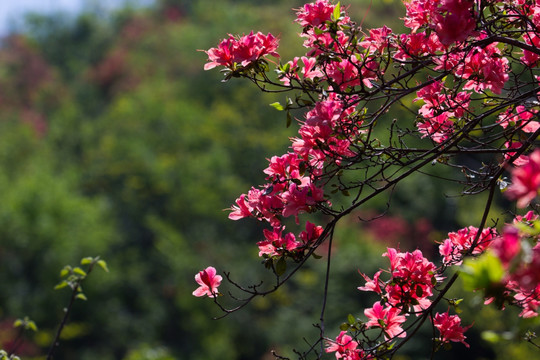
<point x="25" y="323"/>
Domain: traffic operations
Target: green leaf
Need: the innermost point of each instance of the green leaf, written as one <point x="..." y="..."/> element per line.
<point x="277" y="106"/>
<point x="491" y="336"/>
<point x="483" y="272"/>
<point x="81" y="296"/>
<point x="289" y="119"/>
<point x="65" y="271"/>
<point x="281" y="266"/>
<point x="337" y="12"/>
<point x="351" y="319"/>
<point x="79" y="271"/>
<point x="286" y="68"/>
<point x="318" y="31"/>
<point x="61" y="285"/>
<point x="103" y="265"/>
<point x="87" y="260"/>
<point x="344" y="327"/>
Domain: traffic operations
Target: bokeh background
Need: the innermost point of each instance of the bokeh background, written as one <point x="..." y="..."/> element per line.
<point x="115" y="142"/>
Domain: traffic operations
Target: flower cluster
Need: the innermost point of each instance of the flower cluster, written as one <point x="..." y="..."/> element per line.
<point x="466" y="69"/>
<point x="345" y="347"/>
<point x="411" y="282"/>
<point x="450" y="328"/>
<point x="245" y="50"/>
<point x="466" y="241"/>
<point x="518" y="249"/>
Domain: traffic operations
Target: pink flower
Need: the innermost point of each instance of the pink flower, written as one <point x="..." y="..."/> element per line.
<point x="387" y="319"/>
<point x="275" y="242"/>
<point x="208" y="281"/>
<point x="345" y="347"/>
<point x="507" y="246"/>
<point x="242" y="50"/>
<point x="315" y="14"/>
<point x="525" y="119"/>
<point x="439" y="128"/>
<point x="450" y="328"/>
<point x="377" y="40"/>
<point x="311" y="234"/>
<point x="371" y="285"/>
<point x="241" y="209"/>
<point x="529" y="58"/>
<point x="417" y="45"/>
<point x="484" y="67"/>
<point x="459" y="243"/>
<point x="457" y="24"/>
<point x="522" y="159"/>
<point x="525" y="181"/>
<point x="419" y="13"/>
<point x="413" y="279"/>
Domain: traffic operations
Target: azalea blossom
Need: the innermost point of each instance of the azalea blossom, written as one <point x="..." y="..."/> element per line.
<point x="242" y="50"/>
<point x="458" y="244"/>
<point x="450" y="328"/>
<point x="345" y="347"/>
<point x="525" y="181"/>
<point x="387" y="318"/>
<point x="208" y="281"/>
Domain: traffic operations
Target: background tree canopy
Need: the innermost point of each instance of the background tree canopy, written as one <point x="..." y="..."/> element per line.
<point x="115" y="142"/>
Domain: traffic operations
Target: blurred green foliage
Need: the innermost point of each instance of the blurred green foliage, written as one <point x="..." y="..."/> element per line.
<point x="115" y="143"/>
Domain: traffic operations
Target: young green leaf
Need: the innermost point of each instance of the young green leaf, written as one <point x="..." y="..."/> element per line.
<point x="79" y="271"/>
<point x="103" y="265"/>
<point x="87" y="260"/>
<point x="281" y="266"/>
<point x="276" y="105"/>
<point x="61" y="285"/>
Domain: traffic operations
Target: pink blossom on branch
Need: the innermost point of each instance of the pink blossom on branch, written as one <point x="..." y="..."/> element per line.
<point x="525" y="181"/>
<point x="454" y="21"/>
<point x="450" y="328"/>
<point x="243" y="50"/>
<point x="344" y="346"/>
<point x="387" y="318"/>
<point x="315" y="14"/>
<point x="208" y="281"/>
<point x="459" y="244"/>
